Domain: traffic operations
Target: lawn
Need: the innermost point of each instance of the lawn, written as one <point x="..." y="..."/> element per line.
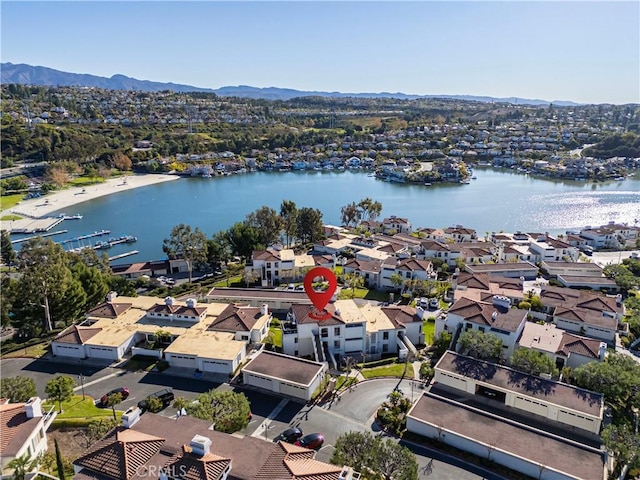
<point x="429" y="330"/>
<point x="83" y="181"/>
<point x="395" y="370"/>
<point x="33" y="351"/>
<point x="346" y="293"/>
<point x="10" y="201"/>
<point x="235" y="281"/>
<point x="77" y="412"/>
<point x="141" y="363"/>
<point x="9" y="218"/>
<point x="276" y="333"/>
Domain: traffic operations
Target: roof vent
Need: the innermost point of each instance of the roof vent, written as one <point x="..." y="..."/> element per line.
<point x="494" y="316"/>
<point x="191" y="302"/>
<point x="169" y="301"/>
<point x="200" y="445"/>
<point x="264" y="309"/>
<point x="111" y="296"/>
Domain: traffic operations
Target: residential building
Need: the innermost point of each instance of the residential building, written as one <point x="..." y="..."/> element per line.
<point x="393" y="224"/>
<point x="23" y="430"/>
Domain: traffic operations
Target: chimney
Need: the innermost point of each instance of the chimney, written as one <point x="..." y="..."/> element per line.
<point x="501" y="301"/>
<point x="191" y="302"/>
<point x="200" y="445"/>
<point x="33" y="407"/>
<point x="619" y="299"/>
<point x="337" y="311"/>
<point x="264" y="309"/>
<point x="602" y="351"/>
<point x="111" y="296"/>
<point x="169" y="301"/>
<point x="131" y="417"/>
<point x="420" y="312"/>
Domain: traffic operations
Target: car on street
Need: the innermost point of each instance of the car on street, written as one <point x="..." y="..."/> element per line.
<point x="104" y="400"/>
<point x="313" y="441"/>
<point x="166" y="396"/>
<point x="290" y="435"/>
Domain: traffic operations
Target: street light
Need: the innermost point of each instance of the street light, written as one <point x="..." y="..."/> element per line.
<point x="81" y="377"/>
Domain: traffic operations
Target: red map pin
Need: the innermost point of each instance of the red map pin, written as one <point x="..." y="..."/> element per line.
<point x="320" y="299"/>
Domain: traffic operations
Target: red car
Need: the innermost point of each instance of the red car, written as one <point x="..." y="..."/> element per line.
<point x="121" y="390"/>
<point x="313" y="441"/>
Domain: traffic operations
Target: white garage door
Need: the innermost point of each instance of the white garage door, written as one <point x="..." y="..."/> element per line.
<point x="532" y="406"/>
<point x="182" y="361"/>
<point x="216" y="366"/>
<point x="103" y="352"/>
<point x="294" y="391"/>
<point x="258" y="382"/>
<point x="75" y="351"/>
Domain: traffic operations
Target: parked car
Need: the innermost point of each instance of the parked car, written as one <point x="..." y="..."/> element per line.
<point x="423" y="302"/>
<point x="290" y="435"/>
<point x="313" y="441"/>
<point x="166" y="396"/>
<point x="434" y="303"/>
<point x="121" y="390"/>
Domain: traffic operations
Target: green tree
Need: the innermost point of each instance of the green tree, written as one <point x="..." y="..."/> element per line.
<point x="113" y="400"/>
<point x="20" y="466"/>
<point x="93" y="283"/>
<point x="17" y="389"/>
<point x="191" y="246"/>
<point x="396" y="280"/>
<point x="289" y="215"/>
<point x="59" y="462"/>
<point x="623" y="277"/>
<point x="60" y="389"/>
<point x="372" y="209"/>
<point x="624" y="443"/>
<point x="229" y="411"/>
<point x="353" y="280"/>
<point x="533" y="362"/>
<point x="7" y="252"/>
<point x="154" y="404"/>
<point x="350" y="214"/>
<point x="617" y="378"/>
<point x="219" y="248"/>
<point x="250" y="276"/>
<point x="310" y="228"/>
<point x="244" y="239"/>
<point x="426" y="370"/>
<point x="379" y="458"/>
<point x="268" y="223"/>
<point x="481" y="345"/>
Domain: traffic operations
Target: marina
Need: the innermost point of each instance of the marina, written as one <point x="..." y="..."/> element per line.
<point x="123" y="255"/>
<point x="50" y="234"/>
<point x="103" y="245"/>
<point x="84" y="237"/>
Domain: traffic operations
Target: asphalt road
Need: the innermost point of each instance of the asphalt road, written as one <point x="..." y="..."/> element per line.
<point x="355" y="411"/>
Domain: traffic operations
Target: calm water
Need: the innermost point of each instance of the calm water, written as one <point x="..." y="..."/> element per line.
<point x="496" y="201"/>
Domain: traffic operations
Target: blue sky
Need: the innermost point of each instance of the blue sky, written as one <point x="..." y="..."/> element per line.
<point x="581" y="51"/>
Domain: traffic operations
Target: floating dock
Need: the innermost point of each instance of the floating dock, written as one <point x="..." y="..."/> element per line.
<point x="84" y="237"/>
<point x="59" y="232"/>
<point x="122" y="255"/>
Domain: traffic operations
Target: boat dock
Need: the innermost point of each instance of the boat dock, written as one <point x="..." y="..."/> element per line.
<point x="122" y="255"/>
<point x="31" y="225"/>
<point x="84" y="237"/>
<point x="50" y="234"/>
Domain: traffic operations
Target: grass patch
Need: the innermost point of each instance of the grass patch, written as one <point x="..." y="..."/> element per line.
<point x="78" y="412"/>
<point x="141" y="363"/>
<point x="347" y="293"/>
<point x="396" y="370"/>
<point x="83" y="181"/>
<point x="10" y="201"/>
<point x="276" y="335"/>
<point x="429" y="330"/>
<point x="8" y="218"/>
<point x="234" y="281"/>
<point x="33" y="351"/>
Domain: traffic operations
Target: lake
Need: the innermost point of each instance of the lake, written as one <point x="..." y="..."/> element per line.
<point x="496" y="200"/>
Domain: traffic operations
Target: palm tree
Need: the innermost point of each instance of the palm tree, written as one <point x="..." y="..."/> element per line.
<point x="20" y="466"/>
<point x="396" y="280"/>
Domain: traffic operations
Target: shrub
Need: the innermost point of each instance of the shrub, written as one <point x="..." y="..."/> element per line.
<point x="154" y="404"/>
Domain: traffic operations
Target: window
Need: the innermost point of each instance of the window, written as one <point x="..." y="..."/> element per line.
<point x="481" y="329"/>
<point x="324" y="333"/>
<point x="336" y="343"/>
<point x="336" y="331"/>
<point x="268" y="264"/>
<point x="295" y="353"/>
<point x="385" y="335"/>
<point x="385" y="348"/>
<point x="295" y="340"/>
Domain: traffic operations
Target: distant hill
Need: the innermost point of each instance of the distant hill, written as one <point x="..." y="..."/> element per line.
<point x="34" y="75"/>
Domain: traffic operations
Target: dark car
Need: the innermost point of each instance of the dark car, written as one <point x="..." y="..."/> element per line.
<point x="313" y="441"/>
<point x="290" y="435"/>
<point x="166" y="396"/>
<point x="121" y="390"/>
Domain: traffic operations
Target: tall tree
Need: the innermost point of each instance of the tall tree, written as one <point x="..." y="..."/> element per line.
<point x="7" y="252"/>
<point x="113" y="400"/>
<point x="20" y="466"/>
<point x="365" y="452"/>
<point x="229" y="411"/>
<point x="43" y="285"/>
<point x="310" y="228"/>
<point x="60" y="389"/>
<point x="244" y="239"/>
<point x="371" y="208"/>
<point x="268" y="223"/>
<point x="59" y="462"/>
<point x="289" y="215"/>
<point x="624" y="443"/>
<point x="98" y="429"/>
<point x="617" y="378"/>
<point x="353" y="280"/>
<point x="533" y="362"/>
<point x="93" y="282"/>
<point x="481" y="345"/>
<point x="17" y="389"/>
<point x="191" y="246"/>
<point x="219" y="248"/>
<point x="350" y="214"/>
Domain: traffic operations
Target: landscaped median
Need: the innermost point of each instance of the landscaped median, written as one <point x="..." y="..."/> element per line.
<point x="77" y="412"/>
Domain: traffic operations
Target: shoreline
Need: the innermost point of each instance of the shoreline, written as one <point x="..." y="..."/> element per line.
<point x="37" y="208"/>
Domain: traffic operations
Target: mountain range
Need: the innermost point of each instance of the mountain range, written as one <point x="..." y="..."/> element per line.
<point x="35" y="75"/>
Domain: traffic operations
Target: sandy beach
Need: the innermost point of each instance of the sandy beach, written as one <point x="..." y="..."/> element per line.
<point x="64" y="199"/>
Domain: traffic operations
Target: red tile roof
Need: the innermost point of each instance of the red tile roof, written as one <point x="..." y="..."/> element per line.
<point x="109" y="309"/>
<point x="236" y="319"/>
<point x="76" y="334"/>
<point x="187" y="466"/>
<point x="15" y="428"/>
